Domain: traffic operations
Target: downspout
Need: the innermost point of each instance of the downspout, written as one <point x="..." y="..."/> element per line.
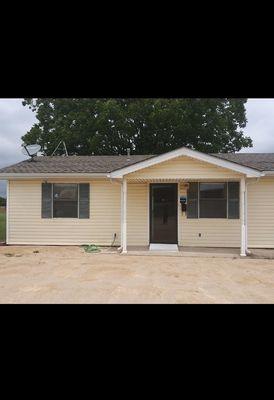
<point x="114" y="181"/>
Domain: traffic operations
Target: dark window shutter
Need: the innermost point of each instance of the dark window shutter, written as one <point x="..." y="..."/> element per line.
<point x="233" y="200"/>
<point x="192" y="200"/>
<point x="46" y="200"/>
<point x="84" y="200"/>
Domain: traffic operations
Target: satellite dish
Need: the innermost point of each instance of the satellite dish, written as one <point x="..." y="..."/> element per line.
<point x="31" y="150"/>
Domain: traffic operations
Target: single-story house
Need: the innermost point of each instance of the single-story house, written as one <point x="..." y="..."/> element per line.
<point x="182" y="197"/>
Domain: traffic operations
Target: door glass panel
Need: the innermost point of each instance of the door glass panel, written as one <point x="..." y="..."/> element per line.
<point x="164" y="213"/>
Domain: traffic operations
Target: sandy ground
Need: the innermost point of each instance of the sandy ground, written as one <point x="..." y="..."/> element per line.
<point x="69" y="275"/>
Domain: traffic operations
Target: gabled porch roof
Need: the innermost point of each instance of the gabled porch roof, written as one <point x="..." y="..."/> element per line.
<point x="196" y="155"/>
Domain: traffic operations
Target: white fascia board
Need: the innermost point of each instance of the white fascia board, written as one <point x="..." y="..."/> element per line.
<point x="249" y="172"/>
<point x="268" y="173"/>
<point x="27" y="176"/>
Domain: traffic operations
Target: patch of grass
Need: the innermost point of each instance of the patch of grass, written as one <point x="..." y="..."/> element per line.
<point x="2" y="225"/>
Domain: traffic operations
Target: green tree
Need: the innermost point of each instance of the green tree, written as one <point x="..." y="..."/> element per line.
<point x="146" y="126"/>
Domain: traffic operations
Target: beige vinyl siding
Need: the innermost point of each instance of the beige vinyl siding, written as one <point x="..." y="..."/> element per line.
<point x="260" y="216"/>
<point x="138" y="214"/>
<point x="215" y="232"/>
<point x="27" y="227"/>
<point x="184" y="168"/>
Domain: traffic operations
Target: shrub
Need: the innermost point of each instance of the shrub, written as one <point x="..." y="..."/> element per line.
<point x="2" y="202"/>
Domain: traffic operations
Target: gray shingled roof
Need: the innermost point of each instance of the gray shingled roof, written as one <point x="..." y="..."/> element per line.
<point x="259" y="161"/>
<point x="105" y="164"/>
<point x="73" y="164"/>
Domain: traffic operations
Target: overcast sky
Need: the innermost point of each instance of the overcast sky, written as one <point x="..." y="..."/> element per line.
<point x="16" y="120"/>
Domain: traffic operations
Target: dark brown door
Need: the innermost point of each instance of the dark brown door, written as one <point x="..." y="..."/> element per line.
<point x="163" y="213"/>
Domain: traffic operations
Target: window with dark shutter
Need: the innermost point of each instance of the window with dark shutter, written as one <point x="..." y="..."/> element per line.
<point x="65" y="200"/>
<point x="84" y="201"/>
<point x="233" y="200"/>
<point x="46" y="200"/>
<point x="192" y="200"/>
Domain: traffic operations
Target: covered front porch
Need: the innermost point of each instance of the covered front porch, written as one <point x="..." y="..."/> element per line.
<point x="209" y="237"/>
<point x="207" y="207"/>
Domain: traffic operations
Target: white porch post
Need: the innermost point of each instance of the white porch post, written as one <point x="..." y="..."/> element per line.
<point x="246" y="220"/>
<point x="124" y="215"/>
<point x="121" y="217"/>
<point x="7" y="212"/>
<point x="243" y="216"/>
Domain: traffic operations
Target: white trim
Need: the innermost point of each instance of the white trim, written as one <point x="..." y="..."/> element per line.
<point x="243" y="215"/>
<point x="179" y="208"/>
<point x="250" y="172"/>
<point x="124" y="216"/>
<point x="15" y="176"/>
<point x="7" y="212"/>
<point x="148" y="213"/>
<point x="268" y="173"/>
<point x="121" y="218"/>
<point x="246" y="218"/>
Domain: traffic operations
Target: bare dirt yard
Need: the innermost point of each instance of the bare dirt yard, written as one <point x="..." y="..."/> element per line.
<point x="69" y="275"/>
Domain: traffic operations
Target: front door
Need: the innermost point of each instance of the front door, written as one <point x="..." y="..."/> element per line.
<point x="164" y="213"/>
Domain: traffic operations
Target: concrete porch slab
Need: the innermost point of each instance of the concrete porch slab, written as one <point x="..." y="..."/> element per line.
<point x="163" y="247"/>
<point x="186" y="252"/>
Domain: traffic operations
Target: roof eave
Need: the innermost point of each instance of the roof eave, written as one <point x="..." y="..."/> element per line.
<point x="268" y="173"/>
<point x="8" y="176"/>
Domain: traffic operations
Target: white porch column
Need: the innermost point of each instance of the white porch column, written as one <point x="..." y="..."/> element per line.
<point x="243" y="216"/>
<point x="121" y="217"/>
<point x="7" y="212"/>
<point x="246" y="219"/>
<point x="124" y="215"/>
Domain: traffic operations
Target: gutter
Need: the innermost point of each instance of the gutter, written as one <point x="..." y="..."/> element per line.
<point x="268" y="173"/>
<point x="16" y="176"/>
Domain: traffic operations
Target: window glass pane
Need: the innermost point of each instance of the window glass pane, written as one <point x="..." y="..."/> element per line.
<point x="65" y="209"/>
<point x="213" y="209"/>
<point x="65" y="201"/>
<point x="66" y="192"/>
<point x="213" y="201"/>
<point x="212" y="191"/>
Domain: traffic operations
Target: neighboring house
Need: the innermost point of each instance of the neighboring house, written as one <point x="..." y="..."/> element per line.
<point x="183" y="197"/>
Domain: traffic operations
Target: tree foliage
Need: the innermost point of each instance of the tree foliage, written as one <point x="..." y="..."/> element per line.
<point x="146" y="126"/>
